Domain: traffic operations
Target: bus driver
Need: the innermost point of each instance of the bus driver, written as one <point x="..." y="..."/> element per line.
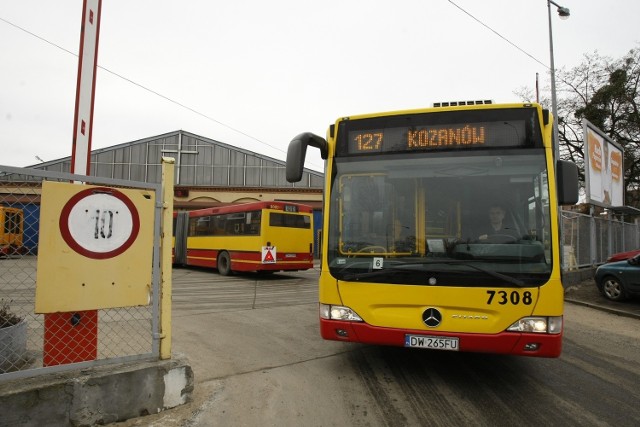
<point x="498" y="230"/>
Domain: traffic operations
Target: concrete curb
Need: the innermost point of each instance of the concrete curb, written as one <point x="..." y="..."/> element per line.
<point x="96" y="396"/>
<point x="604" y="308"/>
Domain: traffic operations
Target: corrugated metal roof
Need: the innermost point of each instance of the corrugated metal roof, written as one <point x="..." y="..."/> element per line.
<point x="171" y="144"/>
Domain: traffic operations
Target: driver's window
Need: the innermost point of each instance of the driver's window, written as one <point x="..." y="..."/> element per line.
<point x="377" y="213"/>
<point x="363" y="206"/>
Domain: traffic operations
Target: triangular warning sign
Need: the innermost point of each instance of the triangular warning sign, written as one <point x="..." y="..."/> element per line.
<point x="269" y="256"/>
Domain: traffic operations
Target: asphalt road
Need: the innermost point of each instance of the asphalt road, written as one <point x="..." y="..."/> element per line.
<point x="258" y="360"/>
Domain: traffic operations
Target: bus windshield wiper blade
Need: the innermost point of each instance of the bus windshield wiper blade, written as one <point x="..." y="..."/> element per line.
<point x="380" y="272"/>
<point x="509" y="279"/>
<point x="402" y="268"/>
<point x="366" y="264"/>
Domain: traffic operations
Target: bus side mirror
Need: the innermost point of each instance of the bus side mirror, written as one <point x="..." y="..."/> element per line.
<point x="545" y="117"/>
<point x="567" y="182"/>
<point x="297" y="152"/>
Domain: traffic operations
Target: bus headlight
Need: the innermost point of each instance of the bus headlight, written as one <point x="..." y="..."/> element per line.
<point x="539" y="325"/>
<point x="338" y="312"/>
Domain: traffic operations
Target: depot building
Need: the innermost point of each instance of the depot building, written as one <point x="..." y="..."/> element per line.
<point x="208" y="173"/>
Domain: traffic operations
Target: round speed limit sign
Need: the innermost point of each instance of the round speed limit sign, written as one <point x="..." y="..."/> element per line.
<point x="99" y="223"/>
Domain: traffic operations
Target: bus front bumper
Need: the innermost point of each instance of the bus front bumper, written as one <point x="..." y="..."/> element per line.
<point x="514" y="343"/>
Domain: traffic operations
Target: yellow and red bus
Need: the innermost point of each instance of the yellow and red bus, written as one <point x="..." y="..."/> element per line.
<point x="258" y="236"/>
<point x="11" y="231"/>
<point x="406" y="256"/>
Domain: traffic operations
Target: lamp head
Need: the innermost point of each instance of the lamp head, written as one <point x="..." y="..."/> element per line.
<point x="563" y="12"/>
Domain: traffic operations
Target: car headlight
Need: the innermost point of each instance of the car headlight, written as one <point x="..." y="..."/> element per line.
<point x="338" y="312"/>
<point x="538" y="325"/>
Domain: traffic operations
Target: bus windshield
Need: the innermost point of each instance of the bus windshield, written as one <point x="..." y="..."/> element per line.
<point x="448" y="218"/>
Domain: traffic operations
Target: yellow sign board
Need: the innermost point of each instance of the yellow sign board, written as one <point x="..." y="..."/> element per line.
<point x="95" y="247"/>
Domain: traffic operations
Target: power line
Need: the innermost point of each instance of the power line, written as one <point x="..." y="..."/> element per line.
<point x="500" y="35"/>
<point x="173" y="101"/>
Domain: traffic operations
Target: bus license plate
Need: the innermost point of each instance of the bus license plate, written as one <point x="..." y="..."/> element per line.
<point x="435" y="343"/>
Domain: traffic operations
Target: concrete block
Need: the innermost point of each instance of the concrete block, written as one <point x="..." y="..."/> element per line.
<point x="100" y="395"/>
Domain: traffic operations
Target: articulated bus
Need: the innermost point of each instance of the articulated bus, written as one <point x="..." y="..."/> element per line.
<point x="407" y="258"/>
<point x="260" y="236"/>
<point x="11" y="231"/>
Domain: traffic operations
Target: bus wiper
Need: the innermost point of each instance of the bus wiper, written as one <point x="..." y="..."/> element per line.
<point x="366" y="263"/>
<point x="509" y="279"/>
<point x="381" y="272"/>
<point x="402" y="268"/>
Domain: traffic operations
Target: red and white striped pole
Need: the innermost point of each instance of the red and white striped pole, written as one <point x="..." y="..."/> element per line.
<point x="73" y="337"/>
<point x="86" y="87"/>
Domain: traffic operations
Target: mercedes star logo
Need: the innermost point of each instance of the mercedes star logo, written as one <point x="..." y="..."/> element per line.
<point x="431" y="317"/>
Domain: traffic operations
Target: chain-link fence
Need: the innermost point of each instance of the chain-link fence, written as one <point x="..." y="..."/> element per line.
<point x="31" y="343"/>
<point x="589" y="241"/>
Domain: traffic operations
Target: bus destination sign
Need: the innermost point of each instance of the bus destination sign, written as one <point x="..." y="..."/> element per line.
<point x="436" y="137"/>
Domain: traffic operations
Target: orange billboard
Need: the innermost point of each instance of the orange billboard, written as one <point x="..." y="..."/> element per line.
<point x="604" y="169"/>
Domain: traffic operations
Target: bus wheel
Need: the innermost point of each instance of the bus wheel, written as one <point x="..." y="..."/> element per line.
<point x="224" y="264"/>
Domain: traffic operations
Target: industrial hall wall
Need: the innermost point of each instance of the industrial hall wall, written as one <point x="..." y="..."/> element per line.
<point x="199" y="162"/>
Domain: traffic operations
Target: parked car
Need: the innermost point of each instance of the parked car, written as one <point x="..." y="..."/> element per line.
<point x="619" y="280"/>
<point x="621" y="256"/>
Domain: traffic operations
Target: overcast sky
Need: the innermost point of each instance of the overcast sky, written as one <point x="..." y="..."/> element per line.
<point x="256" y="73"/>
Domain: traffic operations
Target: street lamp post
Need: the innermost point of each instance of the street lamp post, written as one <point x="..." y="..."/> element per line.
<point x="563" y="12"/>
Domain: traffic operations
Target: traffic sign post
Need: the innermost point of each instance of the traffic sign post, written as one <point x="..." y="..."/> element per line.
<point x="95" y="252"/>
<point x="81" y="153"/>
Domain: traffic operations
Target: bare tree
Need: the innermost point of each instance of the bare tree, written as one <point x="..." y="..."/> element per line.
<point x="606" y="92"/>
